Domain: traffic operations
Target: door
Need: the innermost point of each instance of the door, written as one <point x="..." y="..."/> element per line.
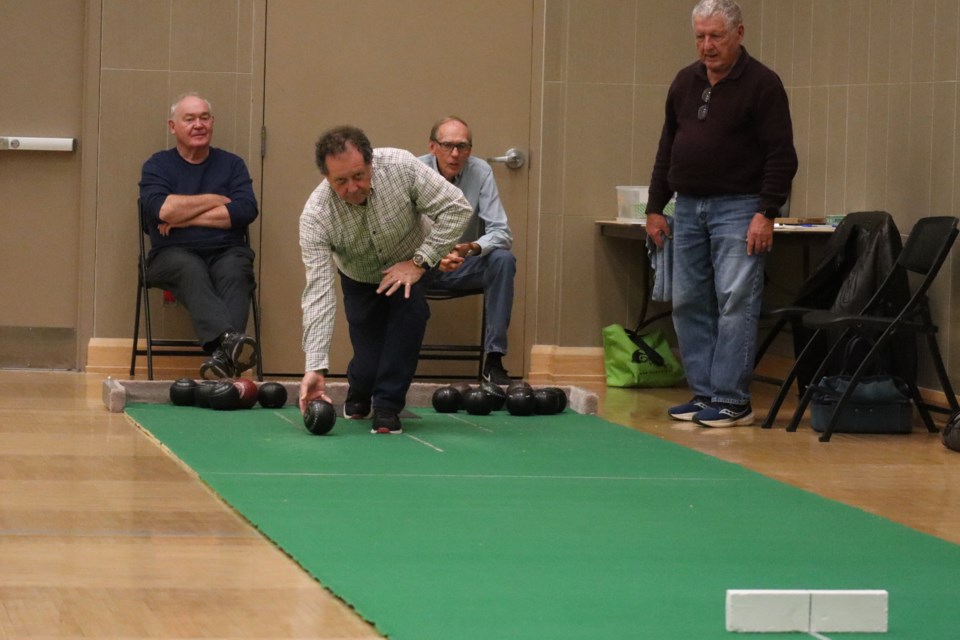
<point x="392" y="69"/>
<point x="42" y="82"/>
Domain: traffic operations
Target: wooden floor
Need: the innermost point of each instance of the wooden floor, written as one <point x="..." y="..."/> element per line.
<point x="103" y="535"/>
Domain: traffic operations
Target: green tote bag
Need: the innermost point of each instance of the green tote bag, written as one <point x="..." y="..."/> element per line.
<point x="633" y="360"/>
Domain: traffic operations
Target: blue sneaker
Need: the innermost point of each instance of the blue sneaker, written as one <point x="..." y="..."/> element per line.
<point x="725" y="415"/>
<point x="688" y="410"/>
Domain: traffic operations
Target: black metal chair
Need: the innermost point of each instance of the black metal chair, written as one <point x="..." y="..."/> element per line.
<point x="466" y="352"/>
<point x="166" y="347"/>
<point x="882" y="322"/>
<point x="828" y="287"/>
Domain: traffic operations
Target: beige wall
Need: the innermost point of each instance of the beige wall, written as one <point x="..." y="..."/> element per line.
<point x="873" y="88"/>
<point x="42" y="88"/>
<point x="152" y="51"/>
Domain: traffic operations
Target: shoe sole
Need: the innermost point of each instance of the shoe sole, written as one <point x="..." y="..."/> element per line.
<point x="217" y="373"/>
<point x="743" y="421"/>
<point x="357" y="416"/>
<point x="393" y="432"/>
<point x="686" y="417"/>
<point x="244" y="356"/>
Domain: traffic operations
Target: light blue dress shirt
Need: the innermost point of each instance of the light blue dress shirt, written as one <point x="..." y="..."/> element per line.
<point x="480" y="189"/>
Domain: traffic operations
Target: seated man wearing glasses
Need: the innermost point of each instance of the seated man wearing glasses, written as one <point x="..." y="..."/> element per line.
<point x="483" y="252"/>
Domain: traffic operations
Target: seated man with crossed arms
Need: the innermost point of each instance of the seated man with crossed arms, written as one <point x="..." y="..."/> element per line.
<point x="198" y="202"/>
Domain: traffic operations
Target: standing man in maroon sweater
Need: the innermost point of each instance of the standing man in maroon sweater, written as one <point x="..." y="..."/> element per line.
<point x="727" y="151"/>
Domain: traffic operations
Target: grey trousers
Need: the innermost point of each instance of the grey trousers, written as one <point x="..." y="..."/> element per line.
<point x="215" y="286"/>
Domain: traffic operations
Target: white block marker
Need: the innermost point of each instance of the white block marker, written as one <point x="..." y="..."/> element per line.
<point x="808" y="610"/>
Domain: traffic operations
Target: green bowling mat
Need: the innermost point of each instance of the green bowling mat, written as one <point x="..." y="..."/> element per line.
<point x="495" y="527"/>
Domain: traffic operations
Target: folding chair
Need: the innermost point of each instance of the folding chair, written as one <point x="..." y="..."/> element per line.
<point x="831" y="285"/>
<point x="165" y="347"/>
<point x="461" y="352"/>
<point x="923" y="254"/>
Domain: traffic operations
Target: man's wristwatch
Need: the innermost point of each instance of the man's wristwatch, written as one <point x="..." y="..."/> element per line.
<point x="420" y="260"/>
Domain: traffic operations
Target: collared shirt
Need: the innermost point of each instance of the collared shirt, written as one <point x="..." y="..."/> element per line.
<point x="411" y="209"/>
<point x="477" y="183"/>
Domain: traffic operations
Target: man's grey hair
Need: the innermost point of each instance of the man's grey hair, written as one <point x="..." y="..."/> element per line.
<point x="182" y="97"/>
<point x="729" y="9"/>
<point x="444" y="120"/>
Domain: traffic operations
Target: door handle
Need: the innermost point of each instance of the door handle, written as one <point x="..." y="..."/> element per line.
<point x="20" y="143"/>
<point x="514" y="158"/>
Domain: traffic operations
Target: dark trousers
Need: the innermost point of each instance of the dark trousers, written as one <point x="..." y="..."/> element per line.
<point x="215" y="287"/>
<point x="494" y="273"/>
<point x="386" y="333"/>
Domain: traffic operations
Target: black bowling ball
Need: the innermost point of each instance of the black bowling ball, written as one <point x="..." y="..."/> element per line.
<point x="320" y="417"/>
<point x="561" y="398"/>
<point x="518" y="384"/>
<point x="476" y="402"/>
<point x="446" y="400"/>
<point x="520" y="402"/>
<point x="272" y="395"/>
<point x="545" y="402"/>
<point x="224" y="396"/>
<point x="496" y="393"/>
<point x="182" y="392"/>
<point x="201" y="395"/>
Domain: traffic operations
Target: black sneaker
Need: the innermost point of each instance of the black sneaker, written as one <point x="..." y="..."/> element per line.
<point x="356" y="408"/>
<point x="386" y="421"/>
<point x="494" y="372"/>
<point x="217" y="367"/>
<point x="241" y="349"/>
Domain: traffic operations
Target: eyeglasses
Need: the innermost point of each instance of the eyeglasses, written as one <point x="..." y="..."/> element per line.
<point x="450" y="146"/>
<point x="702" y="111"/>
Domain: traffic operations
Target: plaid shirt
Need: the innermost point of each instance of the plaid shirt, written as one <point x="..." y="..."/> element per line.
<point x="411" y="208"/>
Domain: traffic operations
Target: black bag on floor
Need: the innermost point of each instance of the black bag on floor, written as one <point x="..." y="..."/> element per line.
<point x="879" y="404"/>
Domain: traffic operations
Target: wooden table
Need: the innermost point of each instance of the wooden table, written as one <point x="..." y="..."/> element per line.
<point x="808" y="235"/>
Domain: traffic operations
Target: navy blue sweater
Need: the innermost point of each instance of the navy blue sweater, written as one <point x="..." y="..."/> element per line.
<point x="222" y="173"/>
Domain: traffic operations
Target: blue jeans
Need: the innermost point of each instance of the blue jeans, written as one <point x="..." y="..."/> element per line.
<point x="493" y="273"/>
<point x="717" y="291"/>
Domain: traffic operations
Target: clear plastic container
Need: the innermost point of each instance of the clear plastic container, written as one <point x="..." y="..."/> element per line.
<point x="632" y="204"/>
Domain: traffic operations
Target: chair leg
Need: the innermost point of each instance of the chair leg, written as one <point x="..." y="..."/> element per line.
<point x="149" y="331"/>
<point x="786" y="385"/>
<point x="921" y="407"/>
<point x="768" y="340"/>
<point x="812" y="387"/>
<point x="136" y="332"/>
<point x="483" y="337"/>
<point x="256" y="334"/>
